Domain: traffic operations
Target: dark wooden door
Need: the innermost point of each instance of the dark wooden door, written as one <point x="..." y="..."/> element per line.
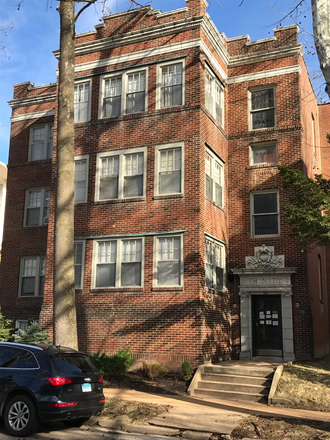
<point x="267" y="325"/>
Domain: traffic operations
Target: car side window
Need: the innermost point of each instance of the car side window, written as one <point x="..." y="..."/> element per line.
<point x="10" y="357"/>
<point x="28" y="360"/>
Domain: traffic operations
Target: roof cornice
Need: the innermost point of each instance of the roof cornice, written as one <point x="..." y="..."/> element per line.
<point x="32" y="100"/>
<point x="136" y="36"/>
<point x="214" y="36"/>
<point x="265" y="55"/>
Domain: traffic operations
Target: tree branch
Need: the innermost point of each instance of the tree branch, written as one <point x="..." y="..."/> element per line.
<point x="83" y="8"/>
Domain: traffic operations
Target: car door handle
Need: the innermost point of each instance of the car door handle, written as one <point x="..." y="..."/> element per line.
<point x="9" y="378"/>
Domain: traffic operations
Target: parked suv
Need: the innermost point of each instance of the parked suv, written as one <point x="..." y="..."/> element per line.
<point x="48" y="383"/>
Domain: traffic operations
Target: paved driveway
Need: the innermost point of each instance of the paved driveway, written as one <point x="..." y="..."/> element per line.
<point x="57" y="431"/>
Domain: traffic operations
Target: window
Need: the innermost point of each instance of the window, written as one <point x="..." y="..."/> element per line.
<point x="79" y="258"/>
<point x="32" y="276"/>
<point x="121" y="174"/>
<point x="263" y="154"/>
<point x="214" y="177"/>
<point x="262" y="108"/>
<point x="265" y="214"/>
<point x="80" y="179"/>
<point x="118" y="263"/>
<point x="168" y="261"/>
<point x="21" y="325"/>
<point x="214" y="96"/>
<point x="37" y="207"/>
<point x="170" y="89"/>
<point x="214" y="264"/>
<point x="10" y="357"/>
<point x="41" y="142"/>
<point x="169" y="169"/>
<point x="124" y="93"/>
<point x="82" y="101"/>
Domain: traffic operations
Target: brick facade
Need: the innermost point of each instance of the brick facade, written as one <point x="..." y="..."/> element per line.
<point x="169" y="321"/>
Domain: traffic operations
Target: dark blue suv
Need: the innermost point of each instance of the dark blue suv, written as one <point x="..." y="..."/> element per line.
<point x="40" y="382"/>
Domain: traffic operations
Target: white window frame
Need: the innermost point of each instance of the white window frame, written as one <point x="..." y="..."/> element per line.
<point x="121" y="174"/>
<point x="39" y="266"/>
<point x="215" y="83"/>
<point x="18" y="323"/>
<point x="159" y="83"/>
<point x="83" y="243"/>
<point x="43" y="220"/>
<point x="158" y="150"/>
<point x="252" y="215"/>
<point x="124" y="88"/>
<point x="215" y="244"/>
<point x="156" y="259"/>
<point x="215" y="161"/>
<point x="262" y="145"/>
<point x="256" y="89"/>
<point x="119" y="261"/>
<point x="78" y="159"/>
<point x="89" y="105"/>
<point x="47" y="152"/>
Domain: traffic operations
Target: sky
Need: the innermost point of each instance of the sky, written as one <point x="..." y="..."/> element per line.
<point x="35" y="34"/>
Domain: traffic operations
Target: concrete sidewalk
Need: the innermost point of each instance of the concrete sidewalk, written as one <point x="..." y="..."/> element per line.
<point x="200" y="417"/>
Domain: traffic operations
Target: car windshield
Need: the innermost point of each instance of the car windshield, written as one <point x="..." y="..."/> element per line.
<point x="75" y="364"/>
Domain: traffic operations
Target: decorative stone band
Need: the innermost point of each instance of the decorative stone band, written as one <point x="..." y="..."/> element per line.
<point x="34" y="115"/>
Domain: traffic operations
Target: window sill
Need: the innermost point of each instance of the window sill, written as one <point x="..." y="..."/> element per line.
<point x="168" y="196"/>
<point x="32" y="162"/>
<point x="128" y="200"/>
<point x="29" y="297"/>
<point x="262" y="166"/>
<point x="214" y="203"/>
<point x="253" y="130"/>
<point x="117" y="289"/>
<point x="172" y="288"/>
<point x="265" y="237"/>
<point x="35" y="226"/>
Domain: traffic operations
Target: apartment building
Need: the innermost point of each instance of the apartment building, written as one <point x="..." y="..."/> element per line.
<point x="181" y="248"/>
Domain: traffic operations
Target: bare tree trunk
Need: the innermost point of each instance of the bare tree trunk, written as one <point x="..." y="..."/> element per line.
<point x="321" y="27"/>
<point x="65" y="323"/>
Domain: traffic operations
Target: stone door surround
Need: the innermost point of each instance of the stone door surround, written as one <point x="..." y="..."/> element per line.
<point x="265" y="274"/>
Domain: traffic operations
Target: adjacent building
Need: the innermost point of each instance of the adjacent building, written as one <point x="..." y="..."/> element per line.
<point x="181" y="248"/>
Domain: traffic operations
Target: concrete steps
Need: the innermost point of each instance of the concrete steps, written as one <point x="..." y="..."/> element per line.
<point x="232" y="383"/>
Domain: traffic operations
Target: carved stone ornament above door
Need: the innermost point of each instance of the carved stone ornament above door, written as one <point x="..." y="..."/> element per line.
<point x="264" y="258"/>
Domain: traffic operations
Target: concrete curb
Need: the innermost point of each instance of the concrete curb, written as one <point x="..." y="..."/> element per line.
<point x="147" y="429"/>
<point x="275" y="381"/>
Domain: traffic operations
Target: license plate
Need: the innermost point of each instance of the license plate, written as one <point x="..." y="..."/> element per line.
<point x="86" y="387"/>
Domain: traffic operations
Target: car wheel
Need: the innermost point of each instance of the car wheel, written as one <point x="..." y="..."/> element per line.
<point x="76" y="423"/>
<point x="20" y="416"/>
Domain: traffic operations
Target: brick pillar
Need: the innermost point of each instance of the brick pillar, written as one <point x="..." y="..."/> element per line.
<point x="196" y="7"/>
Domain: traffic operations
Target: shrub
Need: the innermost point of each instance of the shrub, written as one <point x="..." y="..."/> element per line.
<point x="112" y="366"/>
<point x="33" y="334"/>
<point x="187" y="370"/>
<point x="5" y="332"/>
<point x="154" y="370"/>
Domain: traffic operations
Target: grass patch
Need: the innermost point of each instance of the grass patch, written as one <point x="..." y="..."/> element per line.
<point x="136" y="413"/>
<point x="306" y="385"/>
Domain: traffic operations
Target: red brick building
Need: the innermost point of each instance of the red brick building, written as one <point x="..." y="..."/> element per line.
<point x="181" y="249"/>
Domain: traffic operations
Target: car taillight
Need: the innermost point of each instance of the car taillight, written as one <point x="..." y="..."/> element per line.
<point x="62" y="405"/>
<point x="101" y="379"/>
<point x="58" y="381"/>
<point x="102" y="401"/>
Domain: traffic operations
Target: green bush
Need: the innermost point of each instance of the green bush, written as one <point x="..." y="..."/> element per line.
<point x="154" y="370"/>
<point x="33" y="334"/>
<point x="187" y="370"/>
<point x="5" y="332"/>
<point x="112" y="366"/>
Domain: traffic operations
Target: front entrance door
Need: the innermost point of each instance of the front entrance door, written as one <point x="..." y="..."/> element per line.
<point x="267" y="325"/>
